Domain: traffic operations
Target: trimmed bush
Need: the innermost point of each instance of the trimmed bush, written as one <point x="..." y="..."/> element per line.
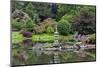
<point x="64" y="27"/>
<point x="26" y="34"/>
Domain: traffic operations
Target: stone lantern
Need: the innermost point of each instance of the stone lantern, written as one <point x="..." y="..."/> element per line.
<point x="56" y="35"/>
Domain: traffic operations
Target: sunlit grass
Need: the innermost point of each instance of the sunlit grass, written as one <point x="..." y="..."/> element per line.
<point x="42" y="38"/>
<point x="16" y="37"/>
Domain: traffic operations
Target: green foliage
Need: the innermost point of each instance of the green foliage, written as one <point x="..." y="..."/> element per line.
<point x="68" y="18"/>
<point x="93" y="36"/>
<point x="30" y="10"/>
<point x="16" y="25"/>
<point x="85" y="22"/>
<point x="29" y="25"/>
<point x="64" y="27"/>
<point x="16" y="37"/>
<point x="91" y="9"/>
<point x="28" y="18"/>
<point x="50" y="30"/>
<point x="42" y="27"/>
<point x="92" y="39"/>
<point x="17" y="5"/>
<point x="66" y="39"/>
<point x="43" y="38"/>
<point x="39" y="29"/>
<point x="36" y="18"/>
<point x="67" y="9"/>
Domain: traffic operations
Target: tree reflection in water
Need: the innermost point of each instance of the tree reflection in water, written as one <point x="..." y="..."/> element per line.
<point x="25" y="54"/>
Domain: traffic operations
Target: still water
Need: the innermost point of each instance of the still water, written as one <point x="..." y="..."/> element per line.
<point x="27" y="52"/>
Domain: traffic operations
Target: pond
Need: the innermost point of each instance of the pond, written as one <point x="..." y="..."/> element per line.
<point x="28" y="52"/>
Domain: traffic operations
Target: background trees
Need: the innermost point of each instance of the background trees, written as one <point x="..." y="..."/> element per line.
<point x="30" y="10"/>
<point x="70" y="18"/>
<point x="84" y="22"/>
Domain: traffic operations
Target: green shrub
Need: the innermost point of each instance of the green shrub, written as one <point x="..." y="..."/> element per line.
<point x="16" y="25"/>
<point x="68" y="18"/>
<point x="92" y="39"/>
<point x="66" y="39"/>
<point x="64" y="27"/>
<point x="30" y="9"/>
<point x="29" y="25"/>
<point x="42" y="27"/>
<point x="50" y="30"/>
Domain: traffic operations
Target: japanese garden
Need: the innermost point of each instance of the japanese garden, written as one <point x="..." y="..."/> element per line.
<point x="49" y="33"/>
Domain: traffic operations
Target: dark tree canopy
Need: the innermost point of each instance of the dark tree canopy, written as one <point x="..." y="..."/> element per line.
<point x="85" y="22"/>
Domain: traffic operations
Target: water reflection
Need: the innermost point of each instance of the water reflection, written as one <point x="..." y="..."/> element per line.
<point x="27" y="43"/>
<point x="27" y="52"/>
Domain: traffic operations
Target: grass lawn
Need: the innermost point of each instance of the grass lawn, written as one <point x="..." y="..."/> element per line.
<point x="16" y="37"/>
<point x="43" y="38"/>
<point x="49" y="38"/>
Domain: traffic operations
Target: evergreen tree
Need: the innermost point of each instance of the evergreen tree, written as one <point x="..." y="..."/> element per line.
<point x="30" y="10"/>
